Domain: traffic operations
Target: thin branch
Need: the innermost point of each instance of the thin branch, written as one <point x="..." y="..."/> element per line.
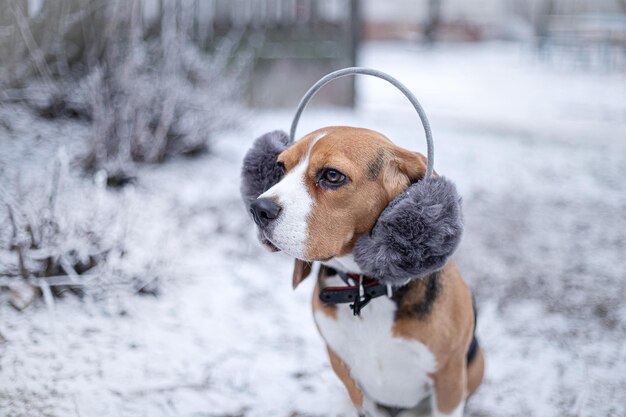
<point x="68" y="268"/>
<point x="15" y="246"/>
<point x="47" y="294"/>
<point x="35" y="52"/>
<point x="31" y="234"/>
<point x="52" y="281"/>
<point x="160" y="135"/>
<point x="13" y="225"/>
<point x="202" y="385"/>
<point x="56" y="174"/>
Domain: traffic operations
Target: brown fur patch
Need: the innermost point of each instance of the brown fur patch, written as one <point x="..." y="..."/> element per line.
<point x="450" y="384"/>
<point x="301" y="270"/>
<point x="343" y="372"/>
<point x="295" y="153"/>
<point x="475" y="372"/>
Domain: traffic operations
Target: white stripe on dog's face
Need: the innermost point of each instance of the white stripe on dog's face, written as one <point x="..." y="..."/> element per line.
<point x="289" y="232"/>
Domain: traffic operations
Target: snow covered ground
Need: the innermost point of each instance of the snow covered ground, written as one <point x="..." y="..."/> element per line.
<point x="539" y="155"/>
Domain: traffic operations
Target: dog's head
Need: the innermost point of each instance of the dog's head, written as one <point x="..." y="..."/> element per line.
<point x="336" y="182"/>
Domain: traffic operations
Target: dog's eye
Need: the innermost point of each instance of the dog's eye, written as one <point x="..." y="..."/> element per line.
<point x="331" y="178"/>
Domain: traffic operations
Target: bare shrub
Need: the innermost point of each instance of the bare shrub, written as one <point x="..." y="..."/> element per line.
<point x="61" y="38"/>
<point x="146" y="87"/>
<point x="55" y="236"/>
<point x="160" y="101"/>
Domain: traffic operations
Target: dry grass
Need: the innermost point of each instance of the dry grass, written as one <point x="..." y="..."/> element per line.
<point x="49" y="244"/>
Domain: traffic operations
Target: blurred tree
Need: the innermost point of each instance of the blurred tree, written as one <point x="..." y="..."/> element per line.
<point x="542" y="22"/>
<point x="300" y="42"/>
<point x="433" y="21"/>
<point x="148" y="90"/>
<point x="51" y="41"/>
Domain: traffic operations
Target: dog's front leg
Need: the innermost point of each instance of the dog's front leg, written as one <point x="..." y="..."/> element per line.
<point x="365" y="407"/>
<point x="448" y="399"/>
<point x="370" y="409"/>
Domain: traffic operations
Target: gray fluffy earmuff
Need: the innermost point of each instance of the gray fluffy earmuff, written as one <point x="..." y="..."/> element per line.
<point x="415" y="234"/>
<point x="260" y="171"/>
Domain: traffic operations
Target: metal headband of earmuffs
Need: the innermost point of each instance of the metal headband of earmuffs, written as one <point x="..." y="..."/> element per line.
<point x="378" y="74"/>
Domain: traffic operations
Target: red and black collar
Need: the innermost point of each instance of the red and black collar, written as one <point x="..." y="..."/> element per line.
<point x="359" y="291"/>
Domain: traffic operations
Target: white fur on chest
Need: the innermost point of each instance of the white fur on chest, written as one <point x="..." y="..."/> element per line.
<point x="389" y="370"/>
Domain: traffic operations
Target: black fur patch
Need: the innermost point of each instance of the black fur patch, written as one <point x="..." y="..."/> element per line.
<point x="375" y="165"/>
<point x="420" y="310"/>
<point x="326" y="271"/>
<point x="473" y="348"/>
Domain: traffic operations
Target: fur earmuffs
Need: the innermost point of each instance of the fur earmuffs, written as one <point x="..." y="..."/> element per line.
<point x="260" y="171"/>
<point x="415" y="235"/>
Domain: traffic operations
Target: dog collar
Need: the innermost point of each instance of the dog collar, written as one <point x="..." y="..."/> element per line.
<point x="359" y="291"/>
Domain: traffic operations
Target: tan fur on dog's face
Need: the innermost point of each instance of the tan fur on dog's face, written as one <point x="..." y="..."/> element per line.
<point x="326" y="222"/>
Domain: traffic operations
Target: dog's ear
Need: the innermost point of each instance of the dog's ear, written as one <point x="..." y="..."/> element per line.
<point x="301" y="270"/>
<point x="412" y="164"/>
<point x="404" y="169"/>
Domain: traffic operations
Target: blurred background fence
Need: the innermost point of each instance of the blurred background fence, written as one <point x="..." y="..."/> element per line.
<point x="294" y="42"/>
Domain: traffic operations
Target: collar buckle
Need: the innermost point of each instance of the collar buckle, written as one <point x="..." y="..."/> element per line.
<point x="362" y="300"/>
<point x="358" y="295"/>
<point x="359" y="303"/>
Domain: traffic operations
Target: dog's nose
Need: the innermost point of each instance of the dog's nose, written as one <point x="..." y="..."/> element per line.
<point x="264" y="210"/>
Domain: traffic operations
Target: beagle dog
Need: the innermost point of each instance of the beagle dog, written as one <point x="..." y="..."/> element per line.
<point x="411" y="348"/>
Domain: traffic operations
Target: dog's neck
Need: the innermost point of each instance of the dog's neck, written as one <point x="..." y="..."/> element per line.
<point x="414" y="299"/>
<point x="344" y="263"/>
<point x="347" y="264"/>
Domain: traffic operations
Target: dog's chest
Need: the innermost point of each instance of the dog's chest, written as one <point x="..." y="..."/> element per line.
<point x="389" y="370"/>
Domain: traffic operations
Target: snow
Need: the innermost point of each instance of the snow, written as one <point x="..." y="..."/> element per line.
<point x="539" y="155"/>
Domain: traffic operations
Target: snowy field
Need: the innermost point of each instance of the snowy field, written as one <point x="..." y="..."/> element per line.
<point x="539" y="155"/>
